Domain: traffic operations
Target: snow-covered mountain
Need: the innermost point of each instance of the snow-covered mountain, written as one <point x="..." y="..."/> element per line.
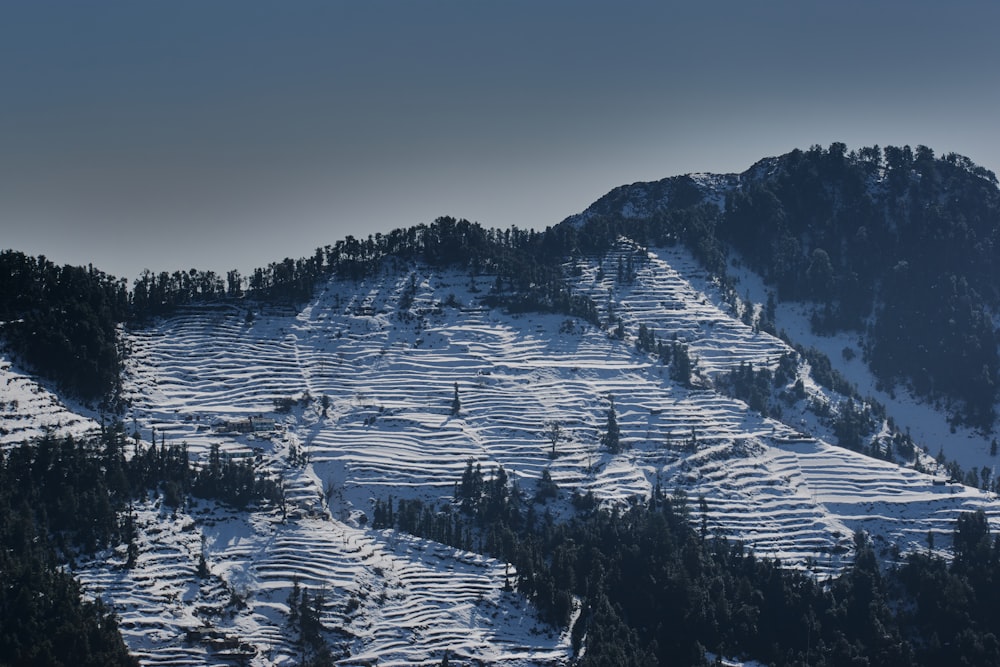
<point x="353" y="396"/>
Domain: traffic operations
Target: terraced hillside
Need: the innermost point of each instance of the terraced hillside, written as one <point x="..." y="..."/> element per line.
<point x="28" y="410"/>
<point x="353" y="396"/>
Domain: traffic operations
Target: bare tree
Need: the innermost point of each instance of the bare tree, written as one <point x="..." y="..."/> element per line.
<point x="554" y="431"/>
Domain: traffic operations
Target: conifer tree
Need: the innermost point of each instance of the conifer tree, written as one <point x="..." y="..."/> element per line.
<point x="680" y="369"/>
<point x="612" y="434"/>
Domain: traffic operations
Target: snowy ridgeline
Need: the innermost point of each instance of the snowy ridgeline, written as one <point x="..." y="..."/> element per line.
<point x="361" y="392"/>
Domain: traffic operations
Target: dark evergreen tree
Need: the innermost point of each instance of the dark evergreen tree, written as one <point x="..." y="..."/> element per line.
<point x="680" y="366"/>
<point x="612" y="434"/>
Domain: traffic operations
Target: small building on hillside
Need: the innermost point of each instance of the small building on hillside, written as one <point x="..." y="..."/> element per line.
<point x="262" y="424"/>
<point x="248" y="425"/>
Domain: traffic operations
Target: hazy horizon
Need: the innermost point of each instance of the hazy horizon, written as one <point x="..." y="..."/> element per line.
<point x="232" y="134"/>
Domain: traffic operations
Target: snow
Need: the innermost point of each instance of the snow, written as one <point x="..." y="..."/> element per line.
<point x="388" y="378"/>
<point x="28" y="410"/>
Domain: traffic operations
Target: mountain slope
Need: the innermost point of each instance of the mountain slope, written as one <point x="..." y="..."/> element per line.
<point x="386" y="370"/>
<point x="894" y="245"/>
<point x="398" y="372"/>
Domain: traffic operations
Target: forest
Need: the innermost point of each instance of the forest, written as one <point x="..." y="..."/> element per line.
<point x="62" y="321"/>
<point x="896" y="244"/>
<point x="655" y="586"/>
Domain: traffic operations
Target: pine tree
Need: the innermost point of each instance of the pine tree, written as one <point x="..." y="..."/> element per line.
<point x="612" y="434"/>
<point x="294" y="600"/>
<point x="680" y="368"/>
<point x="456" y="404"/>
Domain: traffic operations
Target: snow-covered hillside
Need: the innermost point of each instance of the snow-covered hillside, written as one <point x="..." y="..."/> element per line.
<point x="28" y="410"/>
<point x="360" y="384"/>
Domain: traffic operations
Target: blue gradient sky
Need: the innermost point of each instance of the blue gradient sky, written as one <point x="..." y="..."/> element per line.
<point x="223" y="134"/>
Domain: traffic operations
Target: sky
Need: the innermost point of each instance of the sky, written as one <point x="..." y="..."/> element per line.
<point x="226" y="134"/>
